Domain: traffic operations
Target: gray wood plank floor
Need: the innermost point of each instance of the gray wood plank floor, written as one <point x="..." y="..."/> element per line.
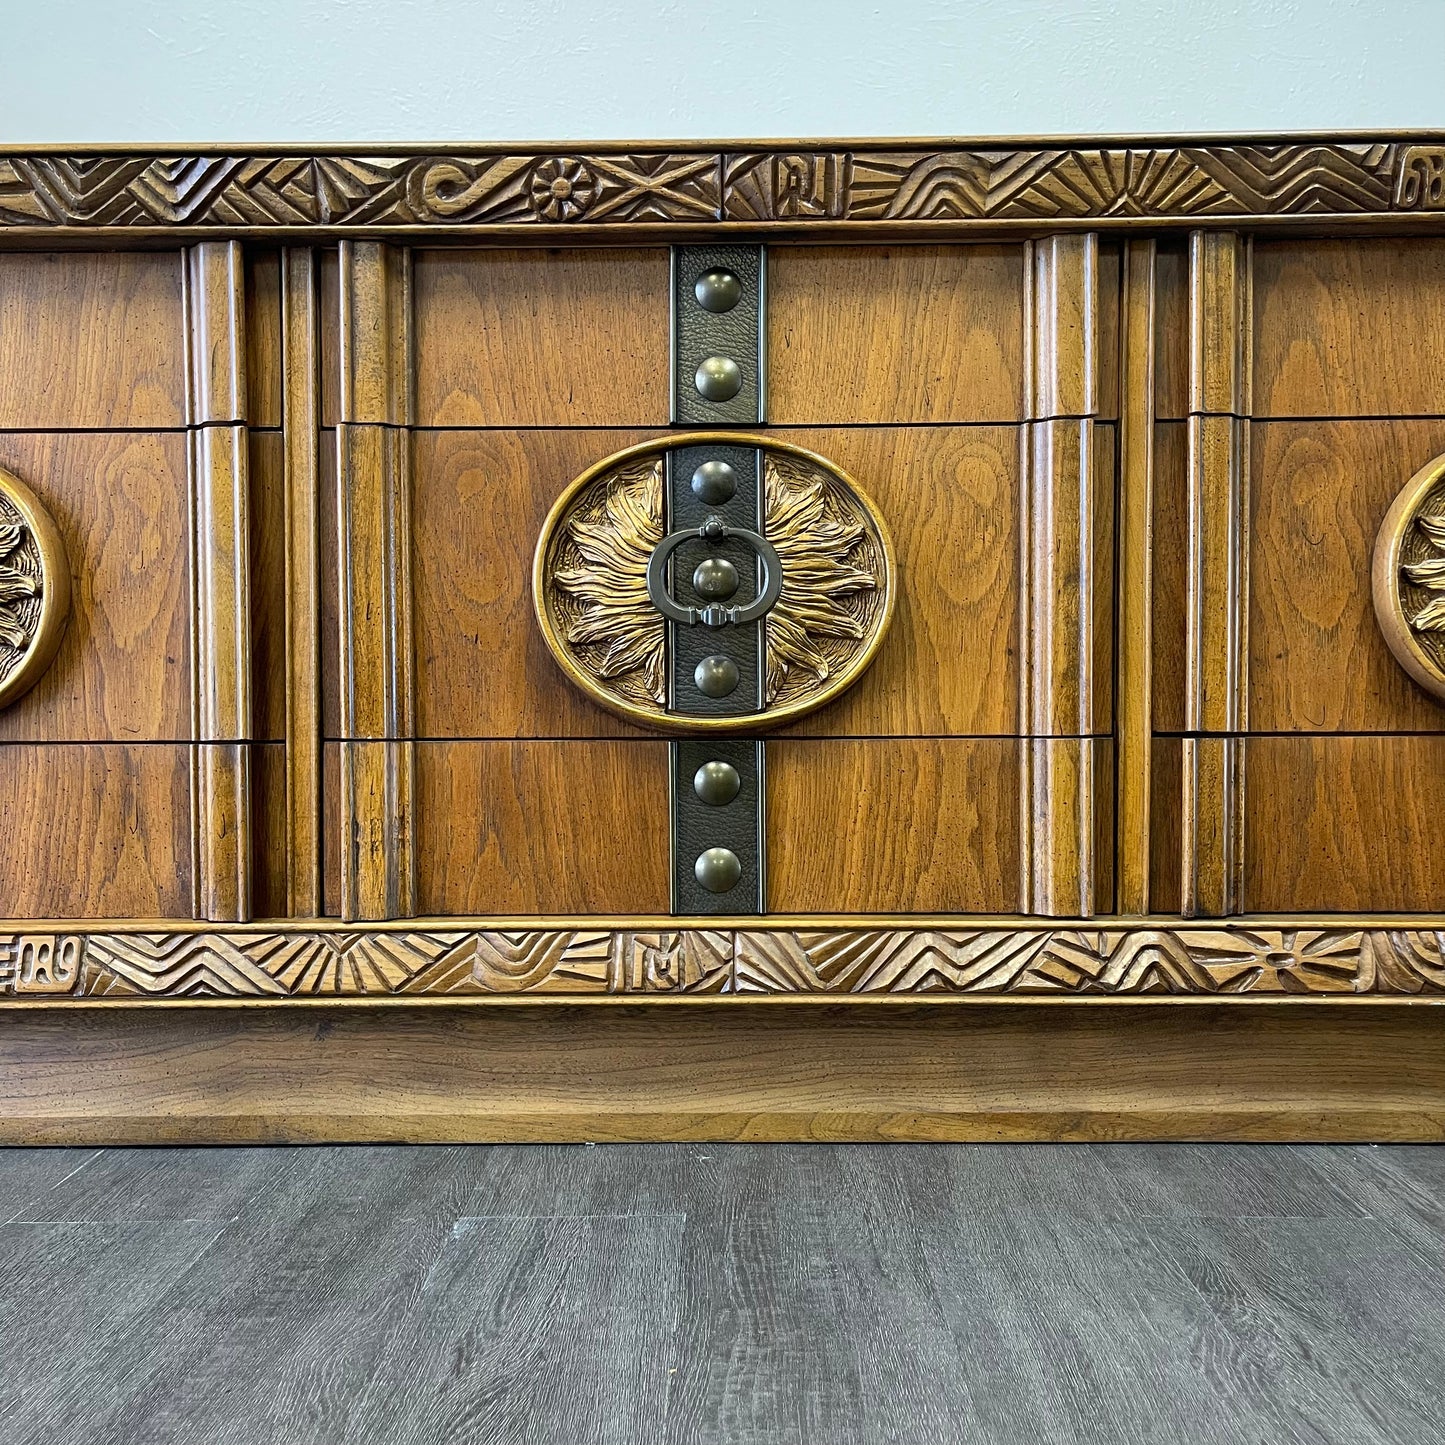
<point x="798" y="1294"/>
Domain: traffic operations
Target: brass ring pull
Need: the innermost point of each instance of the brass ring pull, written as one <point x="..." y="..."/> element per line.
<point x="714" y="529"/>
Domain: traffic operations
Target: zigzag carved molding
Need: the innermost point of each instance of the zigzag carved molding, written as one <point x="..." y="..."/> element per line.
<point x="476" y="190"/>
<point x="1118" y="961"/>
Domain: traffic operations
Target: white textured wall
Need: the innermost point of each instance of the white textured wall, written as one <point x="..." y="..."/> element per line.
<point x="356" y="70"/>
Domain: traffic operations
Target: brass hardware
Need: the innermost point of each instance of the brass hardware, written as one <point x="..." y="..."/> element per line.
<point x="719" y="378"/>
<point x="835" y="595"/>
<point x="715" y="578"/>
<point x="714" y="529"/>
<point x="1408" y="577"/>
<point x="716" y="676"/>
<point x="718" y="290"/>
<point x="716" y="784"/>
<point x="34" y="588"/>
<point x="718" y="334"/>
<point x="717" y="869"/>
<point x="714" y="483"/>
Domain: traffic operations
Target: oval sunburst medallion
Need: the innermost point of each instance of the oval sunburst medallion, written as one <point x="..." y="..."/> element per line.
<point x="1409" y="577"/>
<point x="34" y="588"/>
<point x="822" y="618"/>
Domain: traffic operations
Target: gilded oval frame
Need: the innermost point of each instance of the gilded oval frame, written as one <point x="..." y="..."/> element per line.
<point x="767" y="718"/>
<point x="55" y="589"/>
<point x="1386" y="581"/>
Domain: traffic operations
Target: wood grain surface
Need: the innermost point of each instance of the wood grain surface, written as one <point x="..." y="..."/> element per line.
<point x="265" y="406"/>
<point x="541" y="338"/>
<point x="267" y="510"/>
<point x="872" y="825"/>
<point x="837" y="354"/>
<point x="1318" y="662"/>
<point x="542" y="827"/>
<point x="1134" y="578"/>
<point x="479" y="500"/>
<point x="1344" y="822"/>
<point x="1169" y="552"/>
<point x="550" y="1072"/>
<point x="92" y="340"/>
<point x="1171" y="329"/>
<point x="1349" y="328"/>
<point x="98" y="830"/>
<point x="950" y="497"/>
<point x="123" y="669"/>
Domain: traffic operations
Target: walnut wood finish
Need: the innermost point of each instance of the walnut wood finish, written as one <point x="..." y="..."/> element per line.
<point x="1317" y="659"/>
<point x="1065" y="584"/>
<point x="123" y="670"/>
<point x="542" y="338"/>
<point x="301" y="559"/>
<point x="1133" y="414"/>
<point x="951" y="497"/>
<point x="1135" y="604"/>
<point x="219" y="454"/>
<point x="109" y="352"/>
<point x="96" y="830"/>
<point x="822" y="958"/>
<point x="1217" y="576"/>
<point x="837" y="357"/>
<point x="567" y="1074"/>
<point x="626" y="191"/>
<point x="541" y="827"/>
<point x="377" y="684"/>
<point x="1349" y="328"/>
<point x="917" y="825"/>
<point x="1345" y="822"/>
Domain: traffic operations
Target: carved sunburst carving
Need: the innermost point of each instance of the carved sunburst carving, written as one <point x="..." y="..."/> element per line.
<point x="19" y="587"/>
<point x="1409" y="577"/>
<point x="1428" y="572"/>
<point x="597" y="617"/>
<point x="832" y="571"/>
<point x="602" y="575"/>
<point x="34" y="588"/>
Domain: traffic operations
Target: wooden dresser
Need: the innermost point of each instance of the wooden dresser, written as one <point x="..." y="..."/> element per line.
<point x="866" y="640"/>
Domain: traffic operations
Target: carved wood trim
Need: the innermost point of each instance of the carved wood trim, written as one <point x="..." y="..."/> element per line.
<point x="1134" y="683"/>
<point x="881" y="185"/>
<point x="1064" y="601"/>
<point x="1216" y="699"/>
<point x="215" y="310"/>
<point x="377" y="674"/>
<point x="301" y="417"/>
<point x="498" y="960"/>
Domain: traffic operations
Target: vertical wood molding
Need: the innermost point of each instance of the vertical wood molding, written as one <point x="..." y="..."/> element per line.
<point x="300" y="326"/>
<point x="1217" y="605"/>
<point x="1134" y="683"/>
<point x="221" y="629"/>
<point x="1063" y="607"/>
<point x="377" y="682"/>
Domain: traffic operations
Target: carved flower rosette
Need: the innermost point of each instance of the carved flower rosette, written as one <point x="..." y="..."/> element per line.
<point x="1409" y="577"/>
<point x="34" y="588"/>
<point x="591" y="596"/>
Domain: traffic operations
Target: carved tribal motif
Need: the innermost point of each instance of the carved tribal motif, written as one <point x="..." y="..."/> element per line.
<point x="474" y="189"/>
<point x="1023" y="961"/>
<point x="590" y="582"/>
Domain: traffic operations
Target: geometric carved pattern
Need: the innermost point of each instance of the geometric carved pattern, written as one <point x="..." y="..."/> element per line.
<point x="472" y="188"/>
<point x="271" y="962"/>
